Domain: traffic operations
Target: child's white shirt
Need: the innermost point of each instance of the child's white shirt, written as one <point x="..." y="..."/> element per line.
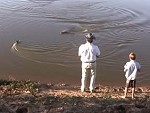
<point x="130" y="69"/>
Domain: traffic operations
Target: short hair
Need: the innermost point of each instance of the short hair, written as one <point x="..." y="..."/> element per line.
<point x="90" y="37"/>
<point x="132" y="56"/>
<point x="89" y="40"/>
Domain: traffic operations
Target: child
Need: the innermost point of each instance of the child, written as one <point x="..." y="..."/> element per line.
<point x="131" y="68"/>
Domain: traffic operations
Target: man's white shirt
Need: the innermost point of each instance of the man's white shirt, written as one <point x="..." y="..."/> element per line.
<point x="88" y="52"/>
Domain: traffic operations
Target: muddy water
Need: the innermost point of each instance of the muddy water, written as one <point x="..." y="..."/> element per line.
<point x="49" y="33"/>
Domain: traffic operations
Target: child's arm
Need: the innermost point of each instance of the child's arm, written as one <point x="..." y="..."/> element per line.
<point x="139" y="67"/>
<point x="126" y="67"/>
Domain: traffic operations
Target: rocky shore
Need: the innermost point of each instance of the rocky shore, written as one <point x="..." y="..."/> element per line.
<point x="34" y="97"/>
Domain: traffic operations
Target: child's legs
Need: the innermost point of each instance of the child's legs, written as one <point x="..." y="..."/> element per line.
<point x="126" y="87"/>
<point x="125" y="92"/>
<point x="133" y="91"/>
<point x="133" y="87"/>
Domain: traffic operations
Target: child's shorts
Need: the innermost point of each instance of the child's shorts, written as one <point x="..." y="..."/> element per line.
<point x="131" y="83"/>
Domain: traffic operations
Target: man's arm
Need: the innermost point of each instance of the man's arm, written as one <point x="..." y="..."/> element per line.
<point x="79" y="51"/>
<point x="98" y="52"/>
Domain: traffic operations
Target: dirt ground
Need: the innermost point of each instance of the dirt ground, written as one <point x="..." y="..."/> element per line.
<point x="32" y="97"/>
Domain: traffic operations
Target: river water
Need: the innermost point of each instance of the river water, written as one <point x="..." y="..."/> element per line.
<point x="50" y="32"/>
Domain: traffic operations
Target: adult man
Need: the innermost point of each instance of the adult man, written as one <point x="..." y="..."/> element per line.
<point x="88" y="53"/>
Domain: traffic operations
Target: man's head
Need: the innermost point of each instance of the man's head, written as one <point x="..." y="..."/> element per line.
<point x="132" y="56"/>
<point x="90" y="37"/>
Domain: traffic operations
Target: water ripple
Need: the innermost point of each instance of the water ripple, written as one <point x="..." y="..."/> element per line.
<point x="57" y="54"/>
<point x="118" y="30"/>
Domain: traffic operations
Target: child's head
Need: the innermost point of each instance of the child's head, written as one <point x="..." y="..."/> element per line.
<point x="132" y="56"/>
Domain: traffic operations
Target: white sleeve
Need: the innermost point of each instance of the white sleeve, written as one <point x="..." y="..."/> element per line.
<point x="126" y="67"/>
<point x="80" y="50"/>
<point x="98" y="51"/>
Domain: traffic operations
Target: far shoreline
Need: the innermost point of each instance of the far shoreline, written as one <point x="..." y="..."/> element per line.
<point x="76" y="83"/>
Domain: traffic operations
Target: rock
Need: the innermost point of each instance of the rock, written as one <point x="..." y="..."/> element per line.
<point x="139" y="90"/>
<point x="4" y="109"/>
<point x="114" y="90"/>
<point x="22" y="110"/>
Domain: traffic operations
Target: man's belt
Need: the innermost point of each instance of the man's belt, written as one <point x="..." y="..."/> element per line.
<point x="90" y="62"/>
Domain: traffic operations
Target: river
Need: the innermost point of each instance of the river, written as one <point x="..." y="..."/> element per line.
<point x="49" y="33"/>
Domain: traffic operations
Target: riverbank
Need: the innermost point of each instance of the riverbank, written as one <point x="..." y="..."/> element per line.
<point x="33" y="97"/>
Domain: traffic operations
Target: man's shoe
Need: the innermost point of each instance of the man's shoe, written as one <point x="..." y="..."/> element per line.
<point x="92" y="91"/>
<point x="82" y="90"/>
<point x="123" y="97"/>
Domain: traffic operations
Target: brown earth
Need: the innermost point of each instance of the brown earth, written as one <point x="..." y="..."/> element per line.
<point x="32" y="97"/>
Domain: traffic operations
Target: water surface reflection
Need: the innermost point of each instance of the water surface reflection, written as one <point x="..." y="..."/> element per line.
<point x="50" y="32"/>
